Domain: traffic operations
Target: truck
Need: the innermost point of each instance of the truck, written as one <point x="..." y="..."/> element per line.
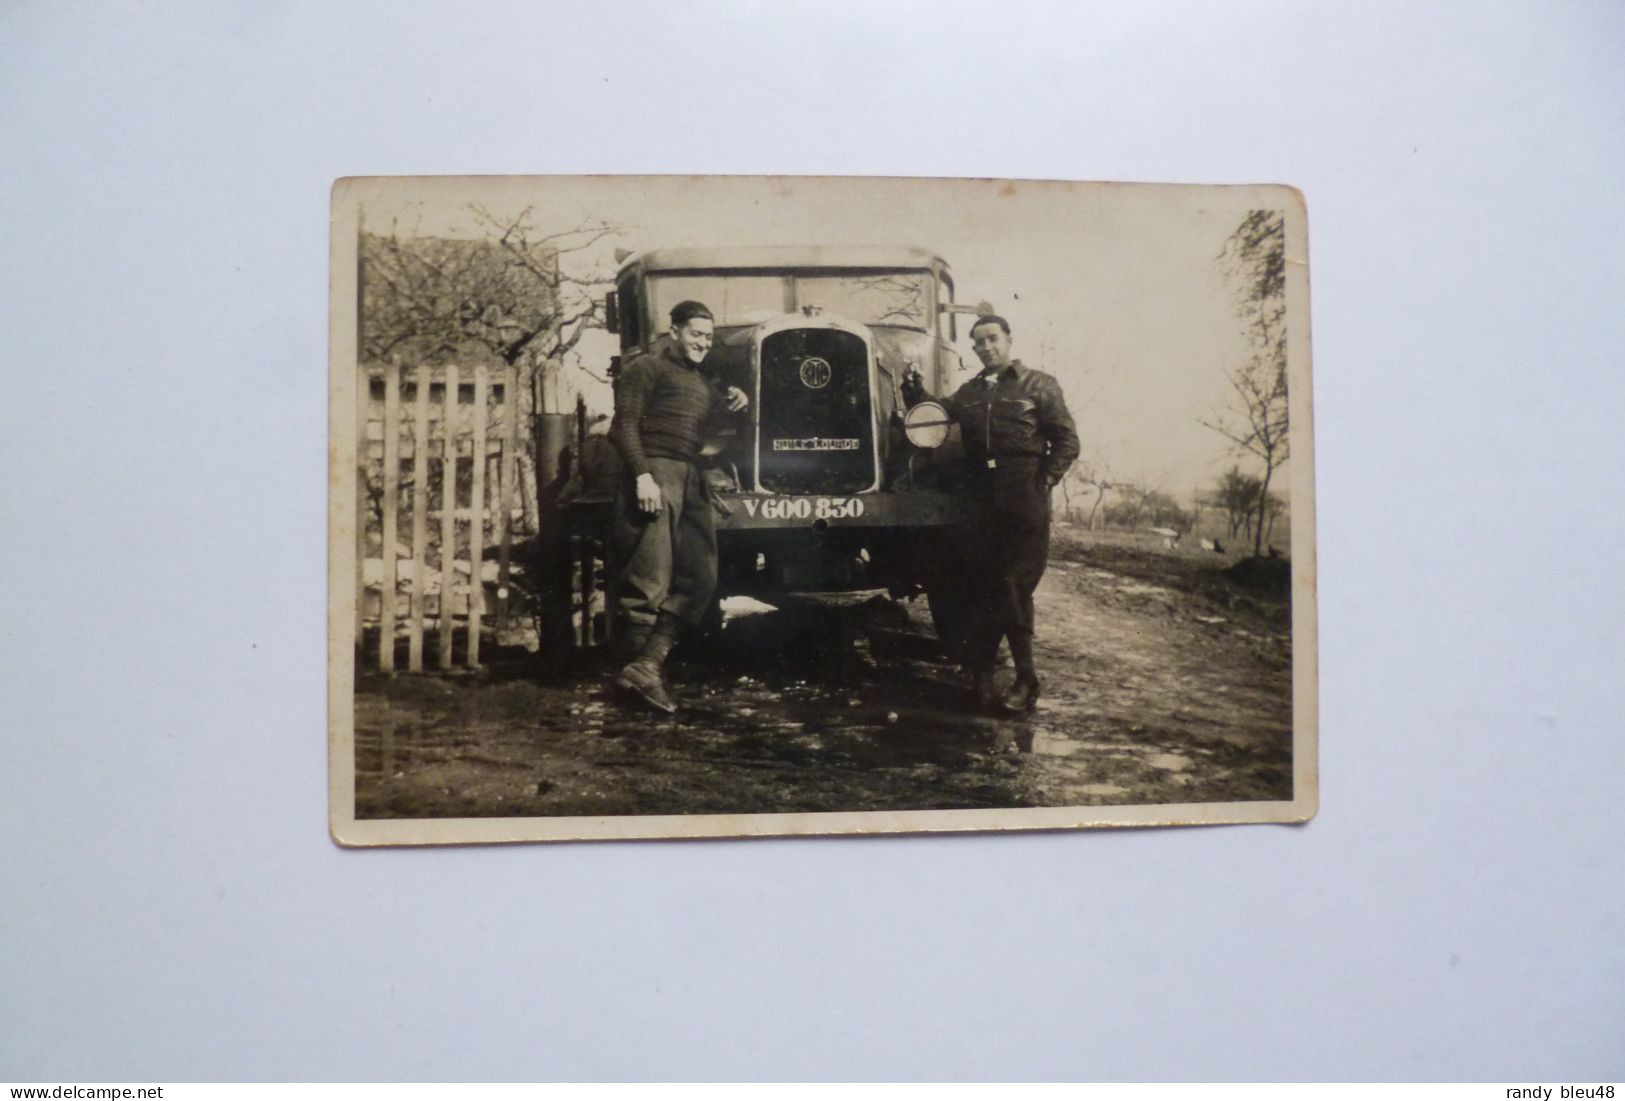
<point x="831" y="482"/>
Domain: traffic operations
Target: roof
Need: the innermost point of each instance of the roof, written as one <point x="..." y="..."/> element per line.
<point x="784" y="256"/>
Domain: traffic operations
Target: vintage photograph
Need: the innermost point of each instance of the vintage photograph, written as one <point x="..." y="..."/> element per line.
<point x="734" y="506"/>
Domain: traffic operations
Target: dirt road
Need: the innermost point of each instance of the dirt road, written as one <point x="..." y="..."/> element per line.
<point x="1167" y="680"/>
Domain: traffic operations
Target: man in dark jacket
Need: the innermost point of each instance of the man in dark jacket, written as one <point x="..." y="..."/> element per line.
<point x="1019" y="441"/>
<point x="664" y="537"/>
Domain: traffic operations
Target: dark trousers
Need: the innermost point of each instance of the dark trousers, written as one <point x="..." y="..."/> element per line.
<point x="665" y="561"/>
<point x="994" y="560"/>
<point x="1005" y="557"/>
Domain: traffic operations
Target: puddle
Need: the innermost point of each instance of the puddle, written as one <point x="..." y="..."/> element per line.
<point x="807" y="709"/>
<point x="1049" y="744"/>
<point x="1103" y="789"/>
<point x="1171" y="762"/>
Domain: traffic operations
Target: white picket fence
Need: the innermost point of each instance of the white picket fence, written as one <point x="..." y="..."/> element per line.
<point x="438" y="451"/>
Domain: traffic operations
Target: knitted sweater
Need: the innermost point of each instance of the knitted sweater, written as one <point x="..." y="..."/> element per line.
<point x="661" y="405"/>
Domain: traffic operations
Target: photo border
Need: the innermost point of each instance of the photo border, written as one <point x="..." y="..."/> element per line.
<point x="348" y="197"/>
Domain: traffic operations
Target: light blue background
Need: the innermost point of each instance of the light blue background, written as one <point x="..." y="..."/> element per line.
<point x="173" y="907"/>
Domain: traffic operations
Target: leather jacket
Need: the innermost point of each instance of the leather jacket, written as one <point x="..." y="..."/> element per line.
<point x="1018" y="436"/>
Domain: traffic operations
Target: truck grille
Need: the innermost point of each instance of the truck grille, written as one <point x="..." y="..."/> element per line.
<point x="816" y="420"/>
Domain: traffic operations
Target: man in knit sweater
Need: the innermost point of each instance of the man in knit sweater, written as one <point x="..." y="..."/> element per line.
<point x="664" y="537"/>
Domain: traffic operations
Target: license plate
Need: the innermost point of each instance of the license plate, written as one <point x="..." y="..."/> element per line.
<point x="803" y="508"/>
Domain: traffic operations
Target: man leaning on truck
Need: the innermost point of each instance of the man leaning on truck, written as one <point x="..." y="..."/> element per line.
<point x="1019" y="441"/>
<point x="664" y="536"/>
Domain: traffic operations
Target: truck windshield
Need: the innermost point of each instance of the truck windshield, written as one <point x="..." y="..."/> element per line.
<point x="732" y="299"/>
<point x="874" y="298"/>
<point x="879" y="298"/>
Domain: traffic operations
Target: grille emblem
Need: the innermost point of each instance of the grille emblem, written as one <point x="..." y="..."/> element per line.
<point x="815" y="373"/>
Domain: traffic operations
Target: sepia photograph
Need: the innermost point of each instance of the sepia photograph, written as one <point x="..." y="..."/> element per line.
<point x="735" y="506"/>
<point x="839" y="542"/>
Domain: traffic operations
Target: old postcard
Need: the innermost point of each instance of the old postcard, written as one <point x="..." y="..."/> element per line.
<point x="731" y="506"/>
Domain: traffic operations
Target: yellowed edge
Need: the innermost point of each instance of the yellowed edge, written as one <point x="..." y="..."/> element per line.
<point x="345" y="227"/>
<point x="657" y="827"/>
<point x="348" y="198"/>
<point x="1305" y="565"/>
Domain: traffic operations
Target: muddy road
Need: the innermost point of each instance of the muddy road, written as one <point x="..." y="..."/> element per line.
<point x="1166" y="680"/>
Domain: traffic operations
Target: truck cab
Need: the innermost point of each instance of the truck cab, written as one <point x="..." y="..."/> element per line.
<point x="829" y="481"/>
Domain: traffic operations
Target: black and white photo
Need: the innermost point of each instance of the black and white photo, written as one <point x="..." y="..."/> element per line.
<point x="730" y="506"/>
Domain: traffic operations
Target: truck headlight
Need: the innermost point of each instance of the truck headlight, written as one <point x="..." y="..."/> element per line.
<point x="926" y="425"/>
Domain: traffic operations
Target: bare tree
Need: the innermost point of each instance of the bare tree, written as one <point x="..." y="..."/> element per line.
<point x="1254" y="257"/>
<point x="516" y="296"/>
<point x="520" y="295"/>
<point x="1238" y="494"/>
<point x="570" y="263"/>
<point x="1085" y="487"/>
<point x="1145" y="506"/>
<point x="1275" y="506"/>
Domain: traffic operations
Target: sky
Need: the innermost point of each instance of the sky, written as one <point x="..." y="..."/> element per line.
<point x="1115" y="289"/>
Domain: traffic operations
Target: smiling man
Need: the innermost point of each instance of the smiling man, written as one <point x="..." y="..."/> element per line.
<point x="664" y="536"/>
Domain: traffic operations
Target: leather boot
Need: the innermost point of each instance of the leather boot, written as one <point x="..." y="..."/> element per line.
<point x="630" y="642"/>
<point x="645" y="676"/>
<point x="1022" y="696"/>
<point x="643" y="679"/>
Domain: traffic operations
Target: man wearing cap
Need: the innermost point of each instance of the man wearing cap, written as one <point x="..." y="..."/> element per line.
<point x="664" y="538"/>
<point x="1019" y="441"/>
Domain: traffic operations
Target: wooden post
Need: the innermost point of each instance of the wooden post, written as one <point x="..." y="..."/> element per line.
<point x="420" y="519"/>
<point x="586" y="567"/>
<point x="392" y="478"/>
<point x="510" y="448"/>
<point x="363" y="399"/>
<point x="476" y="532"/>
<point x="448" y="511"/>
<point x="552" y="432"/>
